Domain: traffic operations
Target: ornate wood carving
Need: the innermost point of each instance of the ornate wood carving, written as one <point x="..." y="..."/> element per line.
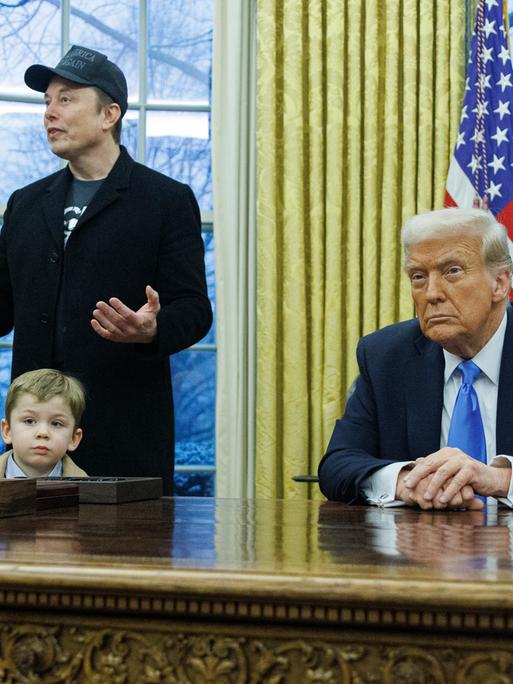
<point x="71" y="654"/>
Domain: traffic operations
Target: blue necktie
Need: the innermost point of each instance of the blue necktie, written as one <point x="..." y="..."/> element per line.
<point x="466" y="430"/>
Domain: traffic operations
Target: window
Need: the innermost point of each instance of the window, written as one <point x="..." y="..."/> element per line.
<point x="164" y="48"/>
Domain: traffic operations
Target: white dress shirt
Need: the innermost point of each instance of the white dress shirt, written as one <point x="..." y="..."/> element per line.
<point x="12" y="469"/>
<point x="379" y="488"/>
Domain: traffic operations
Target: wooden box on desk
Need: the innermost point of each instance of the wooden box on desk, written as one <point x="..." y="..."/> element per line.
<point x="56" y="493"/>
<point x="17" y="496"/>
<point x="115" y="490"/>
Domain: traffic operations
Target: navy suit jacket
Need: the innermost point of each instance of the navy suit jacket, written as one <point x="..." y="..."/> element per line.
<point x="395" y="412"/>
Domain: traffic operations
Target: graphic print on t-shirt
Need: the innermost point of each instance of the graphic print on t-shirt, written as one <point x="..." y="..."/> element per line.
<point x="71" y="216"/>
<point x="79" y="196"/>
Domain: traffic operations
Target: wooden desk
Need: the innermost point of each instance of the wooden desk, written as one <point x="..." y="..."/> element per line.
<point x="229" y="592"/>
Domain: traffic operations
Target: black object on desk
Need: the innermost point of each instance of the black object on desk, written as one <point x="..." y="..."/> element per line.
<point x="305" y="478"/>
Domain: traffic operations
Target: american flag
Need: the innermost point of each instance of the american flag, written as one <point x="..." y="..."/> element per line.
<point x="481" y="170"/>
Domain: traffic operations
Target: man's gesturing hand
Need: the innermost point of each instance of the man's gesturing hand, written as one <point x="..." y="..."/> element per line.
<point x="114" y="321"/>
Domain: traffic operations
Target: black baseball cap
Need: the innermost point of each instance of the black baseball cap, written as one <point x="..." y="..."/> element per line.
<point x="86" y="67"/>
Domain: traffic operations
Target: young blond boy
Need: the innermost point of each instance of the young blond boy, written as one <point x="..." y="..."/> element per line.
<point x="43" y="409"/>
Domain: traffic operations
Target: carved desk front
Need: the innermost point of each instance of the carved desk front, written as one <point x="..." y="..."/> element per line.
<point x="227" y="591"/>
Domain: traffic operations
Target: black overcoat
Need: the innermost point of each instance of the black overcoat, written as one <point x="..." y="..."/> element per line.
<point x="141" y="228"/>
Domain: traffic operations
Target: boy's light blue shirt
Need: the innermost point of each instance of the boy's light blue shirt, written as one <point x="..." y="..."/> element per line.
<point x="12" y="469"/>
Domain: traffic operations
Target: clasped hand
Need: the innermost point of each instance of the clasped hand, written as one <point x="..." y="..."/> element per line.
<point x="116" y="322"/>
<point x="449" y="478"/>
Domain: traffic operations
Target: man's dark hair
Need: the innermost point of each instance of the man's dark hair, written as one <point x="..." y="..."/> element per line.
<point x="103" y="101"/>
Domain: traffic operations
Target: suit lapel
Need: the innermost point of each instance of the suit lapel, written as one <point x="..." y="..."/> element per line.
<point x="106" y="195"/>
<point x="53" y="206"/>
<point x="55" y="196"/>
<point x="424" y="385"/>
<point x="117" y="180"/>
<point x="504" y="435"/>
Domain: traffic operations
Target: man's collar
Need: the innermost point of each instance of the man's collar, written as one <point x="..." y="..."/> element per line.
<point x="488" y="358"/>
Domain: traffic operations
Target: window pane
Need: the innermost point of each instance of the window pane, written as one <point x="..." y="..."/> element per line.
<point x="130" y="131"/>
<point x="178" y="145"/>
<point x="195" y="484"/>
<point x="26" y="155"/>
<point x="194" y="387"/>
<point x="180" y="50"/>
<point x="29" y="34"/>
<point x="111" y="28"/>
<point x="208" y="239"/>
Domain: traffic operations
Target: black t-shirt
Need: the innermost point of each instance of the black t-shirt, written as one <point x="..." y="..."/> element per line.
<point x="79" y="195"/>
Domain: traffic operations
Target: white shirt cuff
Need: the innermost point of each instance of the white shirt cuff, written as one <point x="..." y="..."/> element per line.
<point x="380" y="487"/>
<point x="503" y="461"/>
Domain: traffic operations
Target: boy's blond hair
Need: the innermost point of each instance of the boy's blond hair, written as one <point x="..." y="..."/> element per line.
<point x="44" y="384"/>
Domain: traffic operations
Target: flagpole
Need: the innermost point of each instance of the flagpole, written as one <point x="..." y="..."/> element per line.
<point x="479" y="134"/>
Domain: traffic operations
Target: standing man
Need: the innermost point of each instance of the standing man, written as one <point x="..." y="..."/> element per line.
<point x="102" y="271"/>
<point x="430" y="423"/>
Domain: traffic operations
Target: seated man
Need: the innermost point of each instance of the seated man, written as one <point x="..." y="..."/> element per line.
<point x="43" y="409"/>
<point x="422" y="427"/>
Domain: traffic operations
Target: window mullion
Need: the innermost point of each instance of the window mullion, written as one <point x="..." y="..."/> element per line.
<point x="65" y="14"/>
<point x="143" y="75"/>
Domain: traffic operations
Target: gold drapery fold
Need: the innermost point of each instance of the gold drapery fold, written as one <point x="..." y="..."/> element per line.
<point x="358" y="108"/>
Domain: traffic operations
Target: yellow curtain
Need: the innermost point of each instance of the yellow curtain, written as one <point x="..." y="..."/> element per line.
<point x="358" y="108"/>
